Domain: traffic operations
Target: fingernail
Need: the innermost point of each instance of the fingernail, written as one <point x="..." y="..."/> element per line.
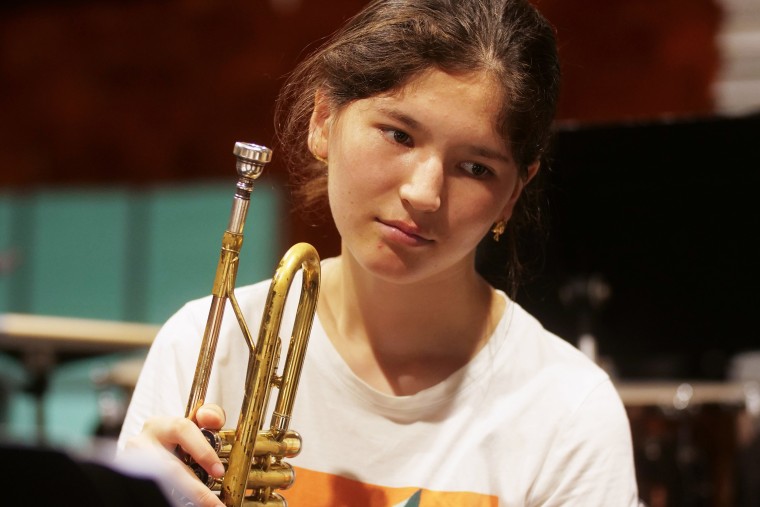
<point x="217" y="470"/>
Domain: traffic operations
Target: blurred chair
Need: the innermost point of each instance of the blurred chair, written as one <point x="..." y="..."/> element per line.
<point x="745" y="368"/>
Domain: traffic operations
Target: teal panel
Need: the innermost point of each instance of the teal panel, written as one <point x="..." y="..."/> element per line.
<point x="8" y="252"/>
<point x="16" y="231"/>
<point x="77" y="253"/>
<point x="122" y="255"/>
<point x="185" y="228"/>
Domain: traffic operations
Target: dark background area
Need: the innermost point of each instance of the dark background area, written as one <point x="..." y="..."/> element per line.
<point x="665" y="214"/>
<point x="139" y="92"/>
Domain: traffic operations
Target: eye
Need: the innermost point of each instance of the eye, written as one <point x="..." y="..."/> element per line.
<point x="397" y="136"/>
<point x="476" y="170"/>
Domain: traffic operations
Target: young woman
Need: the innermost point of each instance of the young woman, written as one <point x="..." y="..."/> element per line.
<point x="422" y="124"/>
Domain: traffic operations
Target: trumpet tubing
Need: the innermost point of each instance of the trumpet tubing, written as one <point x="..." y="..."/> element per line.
<point x="253" y="456"/>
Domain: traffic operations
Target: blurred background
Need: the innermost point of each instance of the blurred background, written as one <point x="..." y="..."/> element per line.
<point x="117" y="122"/>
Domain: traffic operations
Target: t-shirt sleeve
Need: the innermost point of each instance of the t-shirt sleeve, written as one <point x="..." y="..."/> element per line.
<point x="164" y="382"/>
<point x="591" y="461"/>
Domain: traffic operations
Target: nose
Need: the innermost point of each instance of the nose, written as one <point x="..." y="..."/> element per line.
<point x="424" y="185"/>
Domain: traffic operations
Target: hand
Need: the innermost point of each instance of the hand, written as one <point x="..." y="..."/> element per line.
<point x="166" y="433"/>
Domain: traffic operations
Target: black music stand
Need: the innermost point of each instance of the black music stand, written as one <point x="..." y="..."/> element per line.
<point x="44" y="476"/>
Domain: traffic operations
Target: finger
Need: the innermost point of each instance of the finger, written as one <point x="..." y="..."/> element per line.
<point x="187" y="485"/>
<point x="210" y="416"/>
<point x="172" y="431"/>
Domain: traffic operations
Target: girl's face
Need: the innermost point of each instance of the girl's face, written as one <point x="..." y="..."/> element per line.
<point x="418" y="176"/>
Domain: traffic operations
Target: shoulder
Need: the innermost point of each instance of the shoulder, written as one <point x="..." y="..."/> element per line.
<point x="537" y="354"/>
<point x="573" y="404"/>
<point x="559" y="388"/>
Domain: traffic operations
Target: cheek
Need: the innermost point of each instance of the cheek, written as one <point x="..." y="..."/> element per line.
<point x="337" y="194"/>
<point x="363" y="160"/>
<point x="480" y="206"/>
<point x="347" y="191"/>
<point x="359" y="179"/>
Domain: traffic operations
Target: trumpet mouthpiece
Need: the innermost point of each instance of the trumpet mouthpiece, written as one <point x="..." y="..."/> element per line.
<point x="251" y="159"/>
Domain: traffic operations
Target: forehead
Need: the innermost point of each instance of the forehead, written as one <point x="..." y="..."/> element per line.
<point x="434" y="79"/>
<point x="467" y="98"/>
<point x="476" y="94"/>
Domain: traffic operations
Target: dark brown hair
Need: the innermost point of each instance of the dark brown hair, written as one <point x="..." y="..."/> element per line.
<point x="391" y="41"/>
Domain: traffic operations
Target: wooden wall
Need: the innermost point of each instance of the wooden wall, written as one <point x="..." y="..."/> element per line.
<point x="140" y="92"/>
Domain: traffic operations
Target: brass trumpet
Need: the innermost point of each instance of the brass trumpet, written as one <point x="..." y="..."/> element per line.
<point x="253" y="457"/>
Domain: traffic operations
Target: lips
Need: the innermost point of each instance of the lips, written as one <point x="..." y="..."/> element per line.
<point x="405" y="232"/>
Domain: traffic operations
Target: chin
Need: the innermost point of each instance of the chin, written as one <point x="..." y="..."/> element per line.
<point x="396" y="267"/>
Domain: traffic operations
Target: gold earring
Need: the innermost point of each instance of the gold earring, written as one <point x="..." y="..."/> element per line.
<point x="498" y="229"/>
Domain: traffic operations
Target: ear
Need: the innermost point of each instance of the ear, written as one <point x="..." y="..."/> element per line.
<point x="519" y="187"/>
<point x="319" y="125"/>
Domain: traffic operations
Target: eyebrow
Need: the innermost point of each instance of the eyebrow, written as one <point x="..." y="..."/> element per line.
<point x="488" y="153"/>
<point x="401" y="117"/>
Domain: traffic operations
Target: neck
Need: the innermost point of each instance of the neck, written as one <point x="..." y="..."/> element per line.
<point x="403" y="337"/>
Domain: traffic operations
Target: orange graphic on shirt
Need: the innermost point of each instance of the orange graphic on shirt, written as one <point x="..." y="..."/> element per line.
<point x="318" y="489"/>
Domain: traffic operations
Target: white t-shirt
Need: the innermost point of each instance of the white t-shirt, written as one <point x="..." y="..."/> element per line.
<point x="529" y="421"/>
